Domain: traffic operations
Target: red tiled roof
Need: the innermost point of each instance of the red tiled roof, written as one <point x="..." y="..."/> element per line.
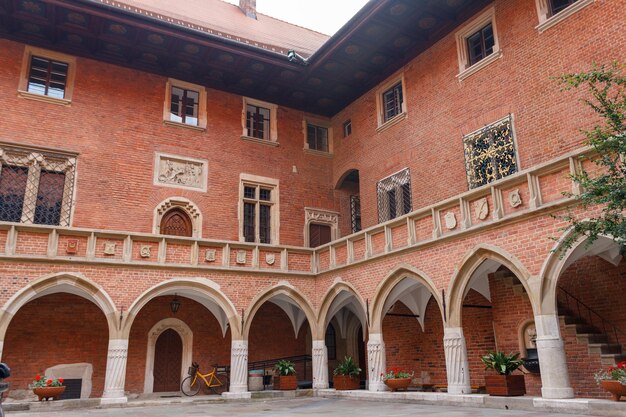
<point x="227" y="20"/>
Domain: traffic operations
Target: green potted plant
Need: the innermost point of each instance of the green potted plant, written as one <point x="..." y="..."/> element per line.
<point x="397" y="378"/>
<point x="346" y="375"/>
<point x="613" y="380"/>
<point x="44" y="387"/>
<point x="285" y="378"/>
<point x="504" y="383"/>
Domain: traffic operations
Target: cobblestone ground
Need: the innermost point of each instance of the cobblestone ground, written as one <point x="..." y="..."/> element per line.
<point x="293" y="407"/>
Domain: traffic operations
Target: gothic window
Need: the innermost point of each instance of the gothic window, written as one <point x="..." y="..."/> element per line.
<point x="394" y="196"/>
<point x="176" y="223"/>
<point x="36" y="187"/>
<point x="490" y="153"/>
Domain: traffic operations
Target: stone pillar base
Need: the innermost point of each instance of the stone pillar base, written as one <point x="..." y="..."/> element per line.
<point x="377" y="387"/>
<point x="236" y="396"/>
<point x="112" y="401"/>
<point x="459" y="389"/>
<point x="557" y="393"/>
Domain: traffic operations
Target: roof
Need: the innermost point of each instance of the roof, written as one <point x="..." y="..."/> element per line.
<point x="227" y="20"/>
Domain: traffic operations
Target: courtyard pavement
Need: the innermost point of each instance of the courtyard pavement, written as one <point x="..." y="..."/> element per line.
<point x="298" y="407"/>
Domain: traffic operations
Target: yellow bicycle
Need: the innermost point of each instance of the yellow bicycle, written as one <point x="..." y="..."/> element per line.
<point x="191" y="385"/>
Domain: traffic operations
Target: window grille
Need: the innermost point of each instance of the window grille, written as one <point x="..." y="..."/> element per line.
<point x="490" y="153"/>
<point x="35" y="187"/>
<point x="392" y="102"/>
<point x="394" y="196"/>
<point x="355" y="213"/>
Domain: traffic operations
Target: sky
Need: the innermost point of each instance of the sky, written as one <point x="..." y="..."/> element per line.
<point x="325" y="16"/>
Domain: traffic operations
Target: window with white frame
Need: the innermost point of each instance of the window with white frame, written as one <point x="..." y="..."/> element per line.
<point x="490" y="153"/>
<point x="390" y="103"/>
<point x="394" y="195"/>
<point x="477" y="44"/>
<point x="185" y="104"/>
<point x="552" y="12"/>
<point x="259" y="121"/>
<point x="47" y="76"/>
<point x="259" y="210"/>
<point x="36" y="187"/>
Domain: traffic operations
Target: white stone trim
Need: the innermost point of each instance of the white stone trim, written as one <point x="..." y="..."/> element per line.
<point x="381" y="123"/>
<point x="273" y="108"/>
<point x="178" y="171"/>
<point x="184" y="204"/>
<point x="185" y="334"/>
<point x="546" y="21"/>
<point x="82" y="371"/>
<point x="239" y="366"/>
<point x="465" y="69"/>
<point x="320" y="216"/>
<point x="255" y="181"/>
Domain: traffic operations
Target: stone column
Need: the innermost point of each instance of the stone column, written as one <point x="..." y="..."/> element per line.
<point x="1" y="346"/>
<point x="376" y="359"/>
<point x="320" y="364"/>
<point x="554" y="375"/>
<point x="115" y="373"/>
<point x="457" y="366"/>
<point x="239" y="367"/>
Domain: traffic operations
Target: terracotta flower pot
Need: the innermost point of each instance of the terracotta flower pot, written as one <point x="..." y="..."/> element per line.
<point x="615" y="388"/>
<point x="345" y="382"/>
<point x="395" y="384"/>
<point x="285" y="382"/>
<point x="48" y="392"/>
<point x="505" y="385"/>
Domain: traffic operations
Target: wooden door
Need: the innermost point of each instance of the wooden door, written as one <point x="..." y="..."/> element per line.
<point x="168" y="357"/>
<point x="319" y="234"/>
<point x="176" y="223"/>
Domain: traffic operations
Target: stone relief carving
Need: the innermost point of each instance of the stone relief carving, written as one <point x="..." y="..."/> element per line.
<point x="180" y="171"/>
<point x="145" y="251"/>
<point x="482" y="208"/>
<point x="241" y="257"/>
<point x="530" y="336"/>
<point x="209" y="255"/>
<point x="321" y="216"/>
<point x="270" y="258"/>
<point x="72" y="246"/>
<point x="109" y="248"/>
<point x="515" y="199"/>
<point x="450" y="220"/>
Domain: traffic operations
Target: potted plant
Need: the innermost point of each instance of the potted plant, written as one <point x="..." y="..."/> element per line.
<point x="346" y="375"/>
<point x="397" y="378"/>
<point x="504" y="384"/>
<point x="44" y="387"/>
<point x="286" y="375"/>
<point x="613" y="380"/>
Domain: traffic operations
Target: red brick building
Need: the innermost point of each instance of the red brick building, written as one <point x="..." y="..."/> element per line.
<point x="383" y="193"/>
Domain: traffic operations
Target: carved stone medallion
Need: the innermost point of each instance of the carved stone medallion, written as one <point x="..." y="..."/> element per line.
<point x="241" y="257"/>
<point x="72" y="246"/>
<point x="450" y="220"/>
<point x="145" y="251"/>
<point x="270" y="258"/>
<point x="209" y="255"/>
<point x="482" y="208"/>
<point x="109" y="248"/>
<point x="515" y="199"/>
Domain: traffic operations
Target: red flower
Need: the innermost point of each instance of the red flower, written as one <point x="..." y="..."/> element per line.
<point x="49" y="382"/>
<point x="61" y="380"/>
<point x="38" y="378"/>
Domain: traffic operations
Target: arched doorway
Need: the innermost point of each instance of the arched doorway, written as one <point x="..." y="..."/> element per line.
<point x="348" y="188"/>
<point x="176" y="223"/>
<point x="168" y="353"/>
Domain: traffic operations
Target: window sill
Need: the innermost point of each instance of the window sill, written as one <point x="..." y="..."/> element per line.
<point x="184" y="125"/>
<point x="391" y="122"/>
<point x="479" y="65"/>
<point x="260" y="141"/>
<point x="42" y="98"/>
<point x="564" y="14"/>
<point x="318" y="153"/>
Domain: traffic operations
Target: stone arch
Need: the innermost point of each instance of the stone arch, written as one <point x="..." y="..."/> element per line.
<point x="204" y="291"/>
<point x="471" y="263"/>
<point x="387" y="285"/>
<point x="331" y="301"/>
<point x="558" y="261"/>
<point x="61" y="282"/>
<point x="289" y="299"/>
<point x="185" y="333"/>
<point x="180" y="203"/>
<point x="346" y="175"/>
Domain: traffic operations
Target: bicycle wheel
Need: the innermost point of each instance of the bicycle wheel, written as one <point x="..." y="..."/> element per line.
<point x="219" y="389"/>
<point x="189" y="387"/>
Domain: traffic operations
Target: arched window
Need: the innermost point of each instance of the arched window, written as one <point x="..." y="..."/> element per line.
<point x="176" y="222"/>
<point x="331" y="342"/>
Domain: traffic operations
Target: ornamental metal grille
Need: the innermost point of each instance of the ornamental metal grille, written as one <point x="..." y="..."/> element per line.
<point x="490" y="153"/>
<point x="355" y="213"/>
<point x="394" y="196"/>
<point x="35" y="187"/>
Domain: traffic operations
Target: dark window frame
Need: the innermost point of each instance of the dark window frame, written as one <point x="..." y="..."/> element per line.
<point x="183" y="105"/>
<point x="392" y="102"/>
<point x="257" y="125"/>
<point x="556" y="9"/>
<point x="46" y="81"/>
<point x="330" y="339"/>
<point x="317" y="141"/>
<point x="347" y="128"/>
<point x="257" y="213"/>
<point x="486" y="45"/>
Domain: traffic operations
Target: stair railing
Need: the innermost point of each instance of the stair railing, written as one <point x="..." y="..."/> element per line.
<point x="582" y="308"/>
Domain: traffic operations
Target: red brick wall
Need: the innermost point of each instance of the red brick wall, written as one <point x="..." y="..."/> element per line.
<point x="478" y="332"/>
<point x="53" y="330"/>
<point x="441" y="109"/>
